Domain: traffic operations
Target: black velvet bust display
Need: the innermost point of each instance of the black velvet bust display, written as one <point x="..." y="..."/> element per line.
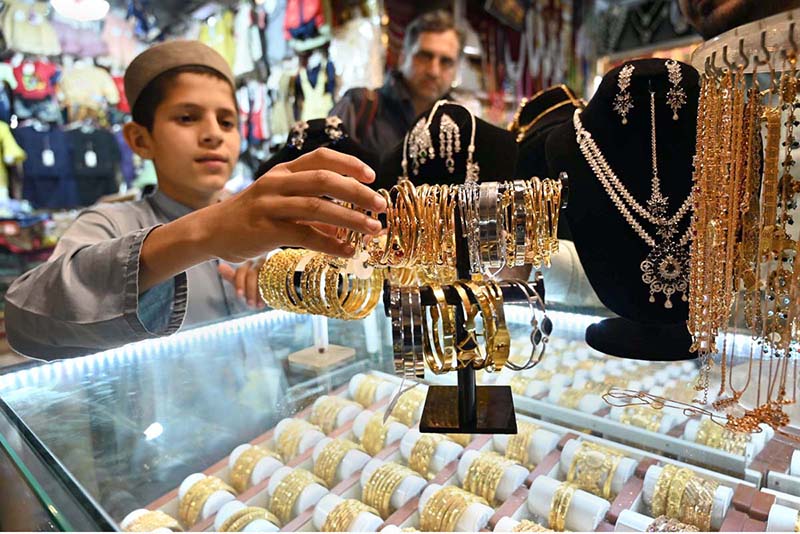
<point x="609" y="249"/>
<point x="495" y="151"/>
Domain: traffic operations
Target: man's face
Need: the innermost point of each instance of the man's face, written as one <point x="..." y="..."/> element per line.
<point x="429" y="68"/>
<point x="713" y="17"/>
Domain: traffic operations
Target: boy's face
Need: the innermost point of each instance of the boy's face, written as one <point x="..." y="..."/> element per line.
<point x="195" y="141"/>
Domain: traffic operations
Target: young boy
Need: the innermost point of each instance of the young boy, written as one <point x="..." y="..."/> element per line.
<point x="137" y="270"/>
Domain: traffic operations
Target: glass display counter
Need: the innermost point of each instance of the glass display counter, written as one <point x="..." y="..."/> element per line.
<point x="85" y="442"/>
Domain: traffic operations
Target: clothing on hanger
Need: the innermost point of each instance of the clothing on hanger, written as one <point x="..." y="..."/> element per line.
<point x="217" y="32"/>
<point x="8" y="83"/>
<point x="95" y="160"/>
<point x="26" y="28"/>
<point x="79" y="41"/>
<point x="118" y="35"/>
<point x="10" y="154"/>
<point x="86" y="87"/>
<point x="47" y="172"/>
<point x="36" y="79"/>
<point x="317" y="88"/>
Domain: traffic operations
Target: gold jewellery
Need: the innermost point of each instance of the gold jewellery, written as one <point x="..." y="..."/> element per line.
<point x="666" y="524"/>
<point x="341" y="518"/>
<point x="445" y="507"/>
<point x="719" y="437"/>
<point x="366" y="390"/>
<point x="593" y="467"/>
<point x="519" y="444"/>
<point x="559" y="506"/>
<point x="484" y="474"/>
<point x="239" y="519"/>
<point x="330" y="457"/>
<point x="193" y="501"/>
<point x="325" y="412"/>
<point x="244" y="465"/>
<point x="642" y="417"/>
<point x="682" y="495"/>
<point x="374" y="438"/>
<point x="288" y="491"/>
<point x="288" y="443"/>
<point x="422" y="452"/>
<point x="382" y="484"/>
<point x="407" y="406"/>
<point x="526" y="525"/>
<point x="152" y="520"/>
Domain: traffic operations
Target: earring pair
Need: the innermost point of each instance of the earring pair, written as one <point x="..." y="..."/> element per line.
<point x="676" y="96"/>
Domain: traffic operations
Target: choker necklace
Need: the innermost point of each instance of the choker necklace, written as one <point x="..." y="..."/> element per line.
<point x="666" y="267"/>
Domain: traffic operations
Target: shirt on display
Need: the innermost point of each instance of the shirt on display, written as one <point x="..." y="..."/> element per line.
<point x="47" y="172"/>
<point x="36" y="79"/>
<point x="80" y="41"/>
<point x="8" y="83"/>
<point x="87" y="86"/>
<point x="10" y="153"/>
<point x="95" y="160"/>
<point x="217" y="32"/>
<point x="119" y="38"/>
<point x="27" y="29"/>
<point x="277" y="46"/>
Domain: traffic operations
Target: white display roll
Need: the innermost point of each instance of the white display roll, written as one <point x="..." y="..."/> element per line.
<point x="585" y="511"/>
<point x="214" y="501"/>
<point x="395" y="431"/>
<point x="310" y="437"/>
<point x="446" y="451"/>
<point x="474" y="518"/>
<point x="630" y="521"/>
<point x="310" y="495"/>
<point x="384" y="389"/>
<point x="263" y="468"/>
<point x="352" y="462"/>
<point x="513" y="476"/>
<point x="347" y="413"/>
<point x="781" y="519"/>
<point x="363" y="522"/>
<point x="407" y="490"/>
<point x="624" y="471"/>
<point x="259" y="525"/>
<point x="560" y="380"/>
<point x="506" y="524"/>
<point x="542" y="443"/>
<point x="722" y="496"/>
<point x="136" y="514"/>
<point x="794" y="468"/>
<point x="693" y="426"/>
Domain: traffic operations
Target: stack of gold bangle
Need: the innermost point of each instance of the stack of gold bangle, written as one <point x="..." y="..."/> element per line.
<point x="325" y="288"/>
<point x="445" y="508"/>
<point x="244" y="465"/>
<point x="239" y="519"/>
<point x="407" y="406"/>
<point x="682" y="495"/>
<point x="382" y="484"/>
<point x="519" y="384"/>
<point x="559" y="506"/>
<point x="571" y="398"/>
<point x="526" y="525"/>
<point x="484" y="474"/>
<point x="519" y="444"/>
<point x="325" y="412"/>
<point x="287" y="492"/>
<point x="342" y="516"/>
<point x="192" y="503"/>
<point x="374" y="438"/>
<point x="422" y="452"/>
<point x="152" y="520"/>
<point x="663" y="523"/>
<point x="462" y="439"/>
<point x="719" y="437"/>
<point x="366" y="390"/>
<point x="593" y="468"/>
<point x="288" y="443"/>
<point x="643" y="417"/>
<point x="330" y="457"/>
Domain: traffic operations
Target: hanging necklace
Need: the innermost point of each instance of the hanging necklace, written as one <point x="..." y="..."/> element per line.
<point x="665" y="269"/>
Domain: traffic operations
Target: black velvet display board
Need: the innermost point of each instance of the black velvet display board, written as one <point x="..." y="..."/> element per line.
<point x="609" y="249"/>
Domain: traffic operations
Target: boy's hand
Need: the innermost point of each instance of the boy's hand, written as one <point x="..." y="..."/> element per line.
<point x="245" y="279"/>
<point x="285" y="207"/>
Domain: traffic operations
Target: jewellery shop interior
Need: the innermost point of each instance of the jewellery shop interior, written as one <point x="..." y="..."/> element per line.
<point x="581" y="314"/>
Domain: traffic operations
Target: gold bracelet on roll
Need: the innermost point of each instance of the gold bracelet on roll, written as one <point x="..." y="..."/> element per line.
<point x="484" y="474"/>
<point x="341" y="518"/>
<point x="422" y="452"/>
<point x="663" y="523"/>
<point x="697" y="502"/>
<point x="559" y="506"/>
<point x="325" y="413"/>
<point x="382" y="484"/>
<point x="374" y="438"/>
<point x="152" y="520"/>
<point x="407" y="406"/>
<point x="519" y="384"/>
<point x="192" y="503"/>
<point x="593" y="467"/>
<point x="659" y="502"/>
<point x="519" y="444"/>
<point x="715" y="435"/>
<point x="288" y="443"/>
<point x="244" y="465"/>
<point x="642" y="417"/>
<point x="365" y="392"/>
<point x="526" y="525"/>
<point x="445" y="507"/>
<point x="462" y="439"/>
<point x="287" y="492"/>
<point x="677" y="488"/>
<point x="330" y="457"/>
<point x="239" y="519"/>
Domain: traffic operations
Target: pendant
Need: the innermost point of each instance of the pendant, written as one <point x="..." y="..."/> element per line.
<point x="666" y="270"/>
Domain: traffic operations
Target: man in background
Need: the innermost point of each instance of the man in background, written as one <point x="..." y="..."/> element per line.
<point x="379" y="119"/>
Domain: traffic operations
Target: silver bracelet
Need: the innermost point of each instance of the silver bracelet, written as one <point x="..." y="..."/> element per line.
<point x="520" y="221"/>
<point x="468" y="199"/>
<point x="492" y="246"/>
<point x="417" y="324"/>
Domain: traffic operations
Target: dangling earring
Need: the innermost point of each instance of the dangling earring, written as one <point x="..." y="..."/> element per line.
<point x="623" y="103"/>
<point x="420" y="147"/>
<point x="676" y="96"/>
<point x="333" y="128"/>
<point x="449" y="141"/>
<point x="297" y="137"/>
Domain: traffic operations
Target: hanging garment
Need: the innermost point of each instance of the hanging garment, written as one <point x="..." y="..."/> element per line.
<point x="47" y="172"/>
<point x="357" y="52"/>
<point x="80" y="41"/>
<point x="277" y="46"/>
<point x="86" y="87"/>
<point x="119" y="37"/>
<point x="248" y="40"/>
<point x="303" y="19"/>
<point x="8" y="83"/>
<point x="36" y="79"/>
<point x="11" y="154"/>
<point x="95" y="160"/>
<point x="317" y="99"/>
<point x="280" y="86"/>
<point x="123" y="104"/>
<point x="46" y="111"/>
<point x="217" y="32"/>
<point x="26" y="29"/>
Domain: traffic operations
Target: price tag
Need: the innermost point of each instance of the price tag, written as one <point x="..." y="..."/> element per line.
<point x="90" y="158"/>
<point x="28" y="69"/>
<point x="48" y="157"/>
<point x="358" y="267"/>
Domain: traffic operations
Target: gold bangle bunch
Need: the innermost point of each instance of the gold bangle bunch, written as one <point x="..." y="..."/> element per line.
<point x="663" y="523"/>
<point x="325" y="286"/>
<point x="239" y="519"/>
<point x="716" y="436"/>
<point x="382" y="484"/>
<point x="445" y="507"/>
<point x="330" y="457"/>
<point x="374" y="438"/>
<point x="519" y="384"/>
<point x="325" y="412"/>
<point x="244" y="465"/>
<point x="407" y="406"/>
<point x="681" y="494"/>
<point x="366" y="390"/>
<point x="342" y="516"/>
<point x="462" y="439"/>
<point x="152" y="520"/>
<point x="422" y="452"/>
<point x="288" y="443"/>
<point x="287" y="492"/>
<point x="192" y="503"/>
<point x="593" y="467"/>
<point x="642" y="417"/>
<point x="559" y="506"/>
<point x="519" y="444"/>
<point x="571" y="398"/>
<point x="484" y="474"/>
<point x="526" y="525"/>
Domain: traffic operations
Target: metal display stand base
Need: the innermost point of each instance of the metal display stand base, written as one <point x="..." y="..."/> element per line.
<point x="494" y="411"/>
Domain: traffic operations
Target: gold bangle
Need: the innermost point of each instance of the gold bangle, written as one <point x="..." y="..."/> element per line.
<point x="663" y="523"/>
<point x="382" y="484"/>
<point x="642" y="417"/>
<point x="593" y="467"/>
<point x="484" y="474"/>
<point x="559" y="506"/>
<point x="697" y="502"/>
<point x="239" y="519"/>
<point x="287" y="492"/>
<point x="422" y="452"/>
<point x="244" y="465"/>
<point x="195" y="498"/>
<point x="462" y="439"/>
<point x="341" y="518"/>
<point x="330" y="457"/>
<point x="677" y="487"/>
<point x="374" y="438"/>
<point x="325" y="413"/>
<point x="445" y="508"/>
<point x="407" y="406"/>
<point x="519" y="443"/>
<point x="288" y="442"/>
<point x="659" y="503"/>
<point x="152" y="520"/>
<point x="526" y="525"/>
<point x="365" y="392"/>
<point x="571" y="398"/>
<point x="519" y="384"/>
